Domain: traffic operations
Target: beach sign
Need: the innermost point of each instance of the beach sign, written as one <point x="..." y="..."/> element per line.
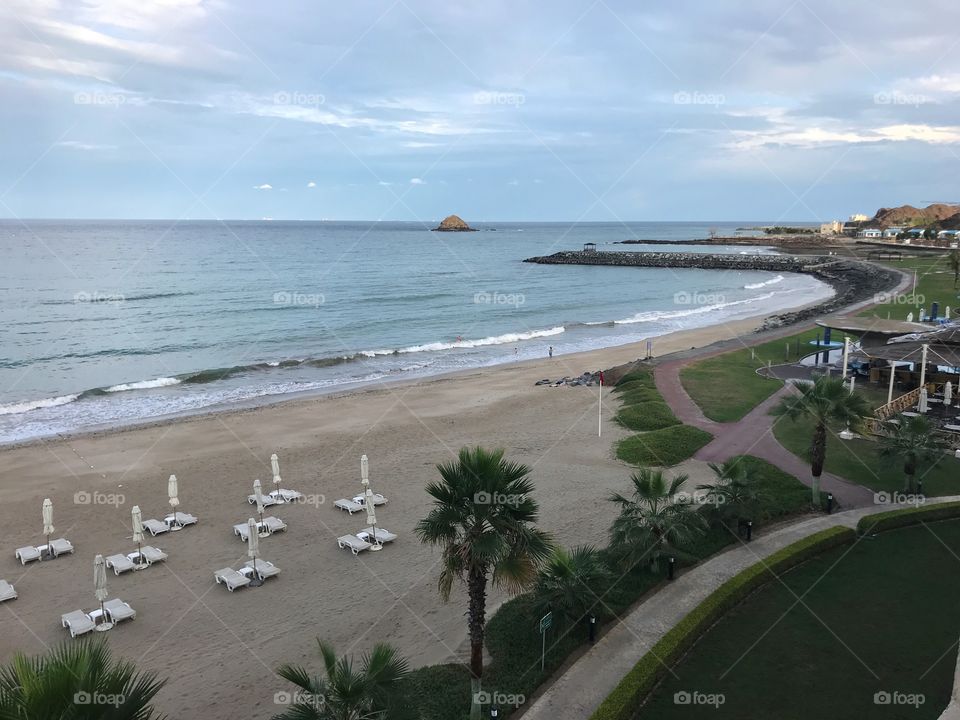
<point x="545" y="622"/>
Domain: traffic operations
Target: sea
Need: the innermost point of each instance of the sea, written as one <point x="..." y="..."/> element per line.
<point x="112" y="323"/>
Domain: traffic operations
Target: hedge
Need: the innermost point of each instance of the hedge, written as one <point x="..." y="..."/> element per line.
<point x="643" y="375"/>
<point x="628" y="696"/>
<point x="651" y="415"/>
<point x="893" y="519"/>
<point x="663" y="447"/>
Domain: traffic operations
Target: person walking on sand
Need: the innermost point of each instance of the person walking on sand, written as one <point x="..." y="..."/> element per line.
<point x="550" y="350"/>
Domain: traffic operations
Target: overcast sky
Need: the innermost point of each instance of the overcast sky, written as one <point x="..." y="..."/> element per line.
<point x="413" y="109"/>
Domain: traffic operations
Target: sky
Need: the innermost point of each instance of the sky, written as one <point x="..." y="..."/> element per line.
<point x="595" y="110"/>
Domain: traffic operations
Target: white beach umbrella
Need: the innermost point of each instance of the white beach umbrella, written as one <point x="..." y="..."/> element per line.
<point x="372" y="519"/>
<point x="948" y="393"/>
<point x="100" y="589"/>
<point x="172" y="494"/>
<point x="275" y="466"/>
<point x="258" y="496"/>
<point x="253" y="548"/>
<point x="922" y="404"/>
<point x="136" y="520"/>
<point x="364" y="471"/>
<point x="48" y="523"/>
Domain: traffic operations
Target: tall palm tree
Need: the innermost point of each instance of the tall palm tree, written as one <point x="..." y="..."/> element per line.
<point x="78" y="680"/>
<point x="826" y="400"/>
<point x="571" y="582"/>
<point x="911" y="441"/>
<point x="953" y="260"/>
<point x="482" y="519"/>
<point x="653" y="524"/>
<point x="735" y="494"/>
<point x="345" y="692"/>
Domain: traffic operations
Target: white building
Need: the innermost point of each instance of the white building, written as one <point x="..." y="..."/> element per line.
<point x="834" y="227"/>
<point x="859" y="217"/>
<point x="870" y="233"/>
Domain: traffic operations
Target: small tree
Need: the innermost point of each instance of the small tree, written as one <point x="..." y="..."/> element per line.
<point x="953" y="259"/>
<point x="570" y="582"/>
<point x="911" y="440"/>
<point x="735" y="495"/>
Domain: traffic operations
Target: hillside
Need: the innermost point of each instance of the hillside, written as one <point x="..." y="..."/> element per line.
<point x="909" y="216"/>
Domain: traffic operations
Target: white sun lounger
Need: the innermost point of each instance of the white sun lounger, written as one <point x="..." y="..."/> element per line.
<point x="378" y="500"/>
<point x="182" y="519"/>
<point x="27" y="554"/>
<point x="61" y="546"/>
<point x="274" y="524"/>
<point x="287" y="495"/>
<point x="78" y="622"/>
<point x="156" y="527"/>
<point x="355" y="544"/>
<point x="349" y="505"/>
<point x="120" y="563"/>
<point x="7" y="591"/>
<point x="231" y="578"/>
<point x="265" y="568"/>
<point x="151" y="554"/>
<point x="118" y="610"/>
<point x="383" y="535"/>
<point x="268" y="500"/>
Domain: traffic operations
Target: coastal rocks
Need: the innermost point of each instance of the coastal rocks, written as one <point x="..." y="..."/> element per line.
<point x="588" y="379"/>
<point x="453" y="223"/>
<point x="852" y="280"/>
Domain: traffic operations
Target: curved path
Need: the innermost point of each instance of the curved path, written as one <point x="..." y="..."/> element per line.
<point x="581" y="689"/>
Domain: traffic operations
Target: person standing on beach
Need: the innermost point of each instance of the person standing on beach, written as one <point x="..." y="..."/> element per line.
<point x="550" y="350"/>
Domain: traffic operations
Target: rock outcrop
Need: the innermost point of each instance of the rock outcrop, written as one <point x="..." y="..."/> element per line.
<point x="453" y="223"/>
<point x="907" y="215"/>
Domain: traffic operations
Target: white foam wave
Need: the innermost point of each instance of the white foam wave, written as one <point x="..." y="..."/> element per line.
<point x="655" y="315"/>
<point x="28" y="405"/>
<point x="482" y="342"/>
<point x="144" y="384"/>
<point x="772" y="281"/>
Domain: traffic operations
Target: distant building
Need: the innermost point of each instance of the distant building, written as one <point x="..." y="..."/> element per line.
<point x="832" y="228"/>
<point x="948" y="234"/>
<point x="859" y="217"/>
<point x="870" y="233"/>
<point x="892" y="232"/>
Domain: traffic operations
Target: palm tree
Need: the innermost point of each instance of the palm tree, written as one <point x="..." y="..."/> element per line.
<point x="571" y="582"/>
<point x="346" y="693"/>
<point x="482" y="518"/>
<point x="826" y="400"/>
<point x="953" y="260"/>
<point x="653" y="524"/>
<point x="735" y="495"/>
<point x="911" y="441"/>
<point x="78" y="680"/>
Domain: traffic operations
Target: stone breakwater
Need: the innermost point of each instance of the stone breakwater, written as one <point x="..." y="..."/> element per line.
<point x="853" y="281"/>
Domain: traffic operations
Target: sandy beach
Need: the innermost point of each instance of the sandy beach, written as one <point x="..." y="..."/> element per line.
<point x="218" y="649"/>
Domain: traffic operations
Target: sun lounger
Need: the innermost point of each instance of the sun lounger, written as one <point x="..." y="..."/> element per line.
<point x="383" y="536"/>
<point x="355" y="544"/>
<point x="152" y="554"/>
<point x="265" y="568"/>
<point x="268" y="500"/>
<point x="27" y="554"/>
<point x="349" y="505"/>
<point x="182" y="519"/>
<point x="378" y="500"/>
<point x="156" y="527"/>
<point x="61" y="546"/>
<point x="118" y="610"/>
<point x="78" y="622"/>
<point x="287" y="495"/>
<point x="120" y="563"/>
<point x="7" y="592"/>
<point x="231" y="578"/>
<point x="274" y="524"/>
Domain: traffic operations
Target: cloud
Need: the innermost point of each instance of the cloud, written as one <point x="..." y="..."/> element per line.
<point x="77" y="145"/>
<point x="818" y="136"/>
<point x="311" y="184"/>
<point x="265" y="186"/>
<point x="417" y="181"/>
<point x="384" y="183"/>
<point x="513" y="182"/>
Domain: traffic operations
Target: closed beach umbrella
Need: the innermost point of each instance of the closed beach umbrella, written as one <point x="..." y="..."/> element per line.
<point x="275" y="466"/>
<point x="48" y="523"/>
<point x="253" y="548"/>
<point x="100" y="589"/>
<point x="948" y="393"/>
<point x="372" y="519"/>
<point x="172" y="494"/>
<point x="136" y="519"/>
<point x="364" y="471"/>
<point x="922" y="404"/>
<point x="258" y="496"/>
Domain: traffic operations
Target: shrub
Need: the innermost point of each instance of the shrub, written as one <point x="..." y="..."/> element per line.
<point x="626" y="698"/>
<point x="893" y="519"/>
<point x="438" y="692"/>
<point x="640" y="395"/>
<point x="643" y="375"/>
<point x="663" y="447"/>
<point x="647" y="416"/>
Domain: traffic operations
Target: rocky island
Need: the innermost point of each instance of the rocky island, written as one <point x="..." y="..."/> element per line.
<point x="453" y="223"/>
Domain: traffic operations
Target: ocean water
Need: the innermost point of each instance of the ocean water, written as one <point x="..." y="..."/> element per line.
<point x="109" y="323"/>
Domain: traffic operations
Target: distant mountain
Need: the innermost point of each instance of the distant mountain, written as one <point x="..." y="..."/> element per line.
<point x="909" y="216"/>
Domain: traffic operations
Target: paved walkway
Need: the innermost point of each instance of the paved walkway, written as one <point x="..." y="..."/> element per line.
<point x="581" y="689"/>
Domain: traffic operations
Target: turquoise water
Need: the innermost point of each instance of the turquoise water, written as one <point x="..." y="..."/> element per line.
<point x="118" y="322"/>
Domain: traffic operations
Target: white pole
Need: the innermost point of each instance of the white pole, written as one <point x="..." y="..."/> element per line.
<point x="923" y="366"/>
<point x="600" y="409"/>
<point x="846" y="354"/>
<point x="853" y="380"/>
<point x="893" y="372"/>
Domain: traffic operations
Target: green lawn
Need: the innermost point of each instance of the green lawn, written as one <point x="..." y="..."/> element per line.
<point x="727" y="387"/>
<point x="934" y="284"/>
<point x="880" y="617"/>
<point x="663" y="447"/>
<point x="859" y="462"/>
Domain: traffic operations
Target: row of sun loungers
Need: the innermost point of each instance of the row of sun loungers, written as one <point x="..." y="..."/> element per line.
<point x="79" y="623"/>
<point x="361" y="541"/>
<point x="358" y="503"/>
<point x="234" y="579"/>
<point x="276" y="497"/>
<point x="148" y="555"/>
<point x="58" y="547"/>
<point x="270" y="524"/>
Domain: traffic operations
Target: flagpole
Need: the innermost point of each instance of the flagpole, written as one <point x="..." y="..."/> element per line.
<point x="600" y="408"/>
